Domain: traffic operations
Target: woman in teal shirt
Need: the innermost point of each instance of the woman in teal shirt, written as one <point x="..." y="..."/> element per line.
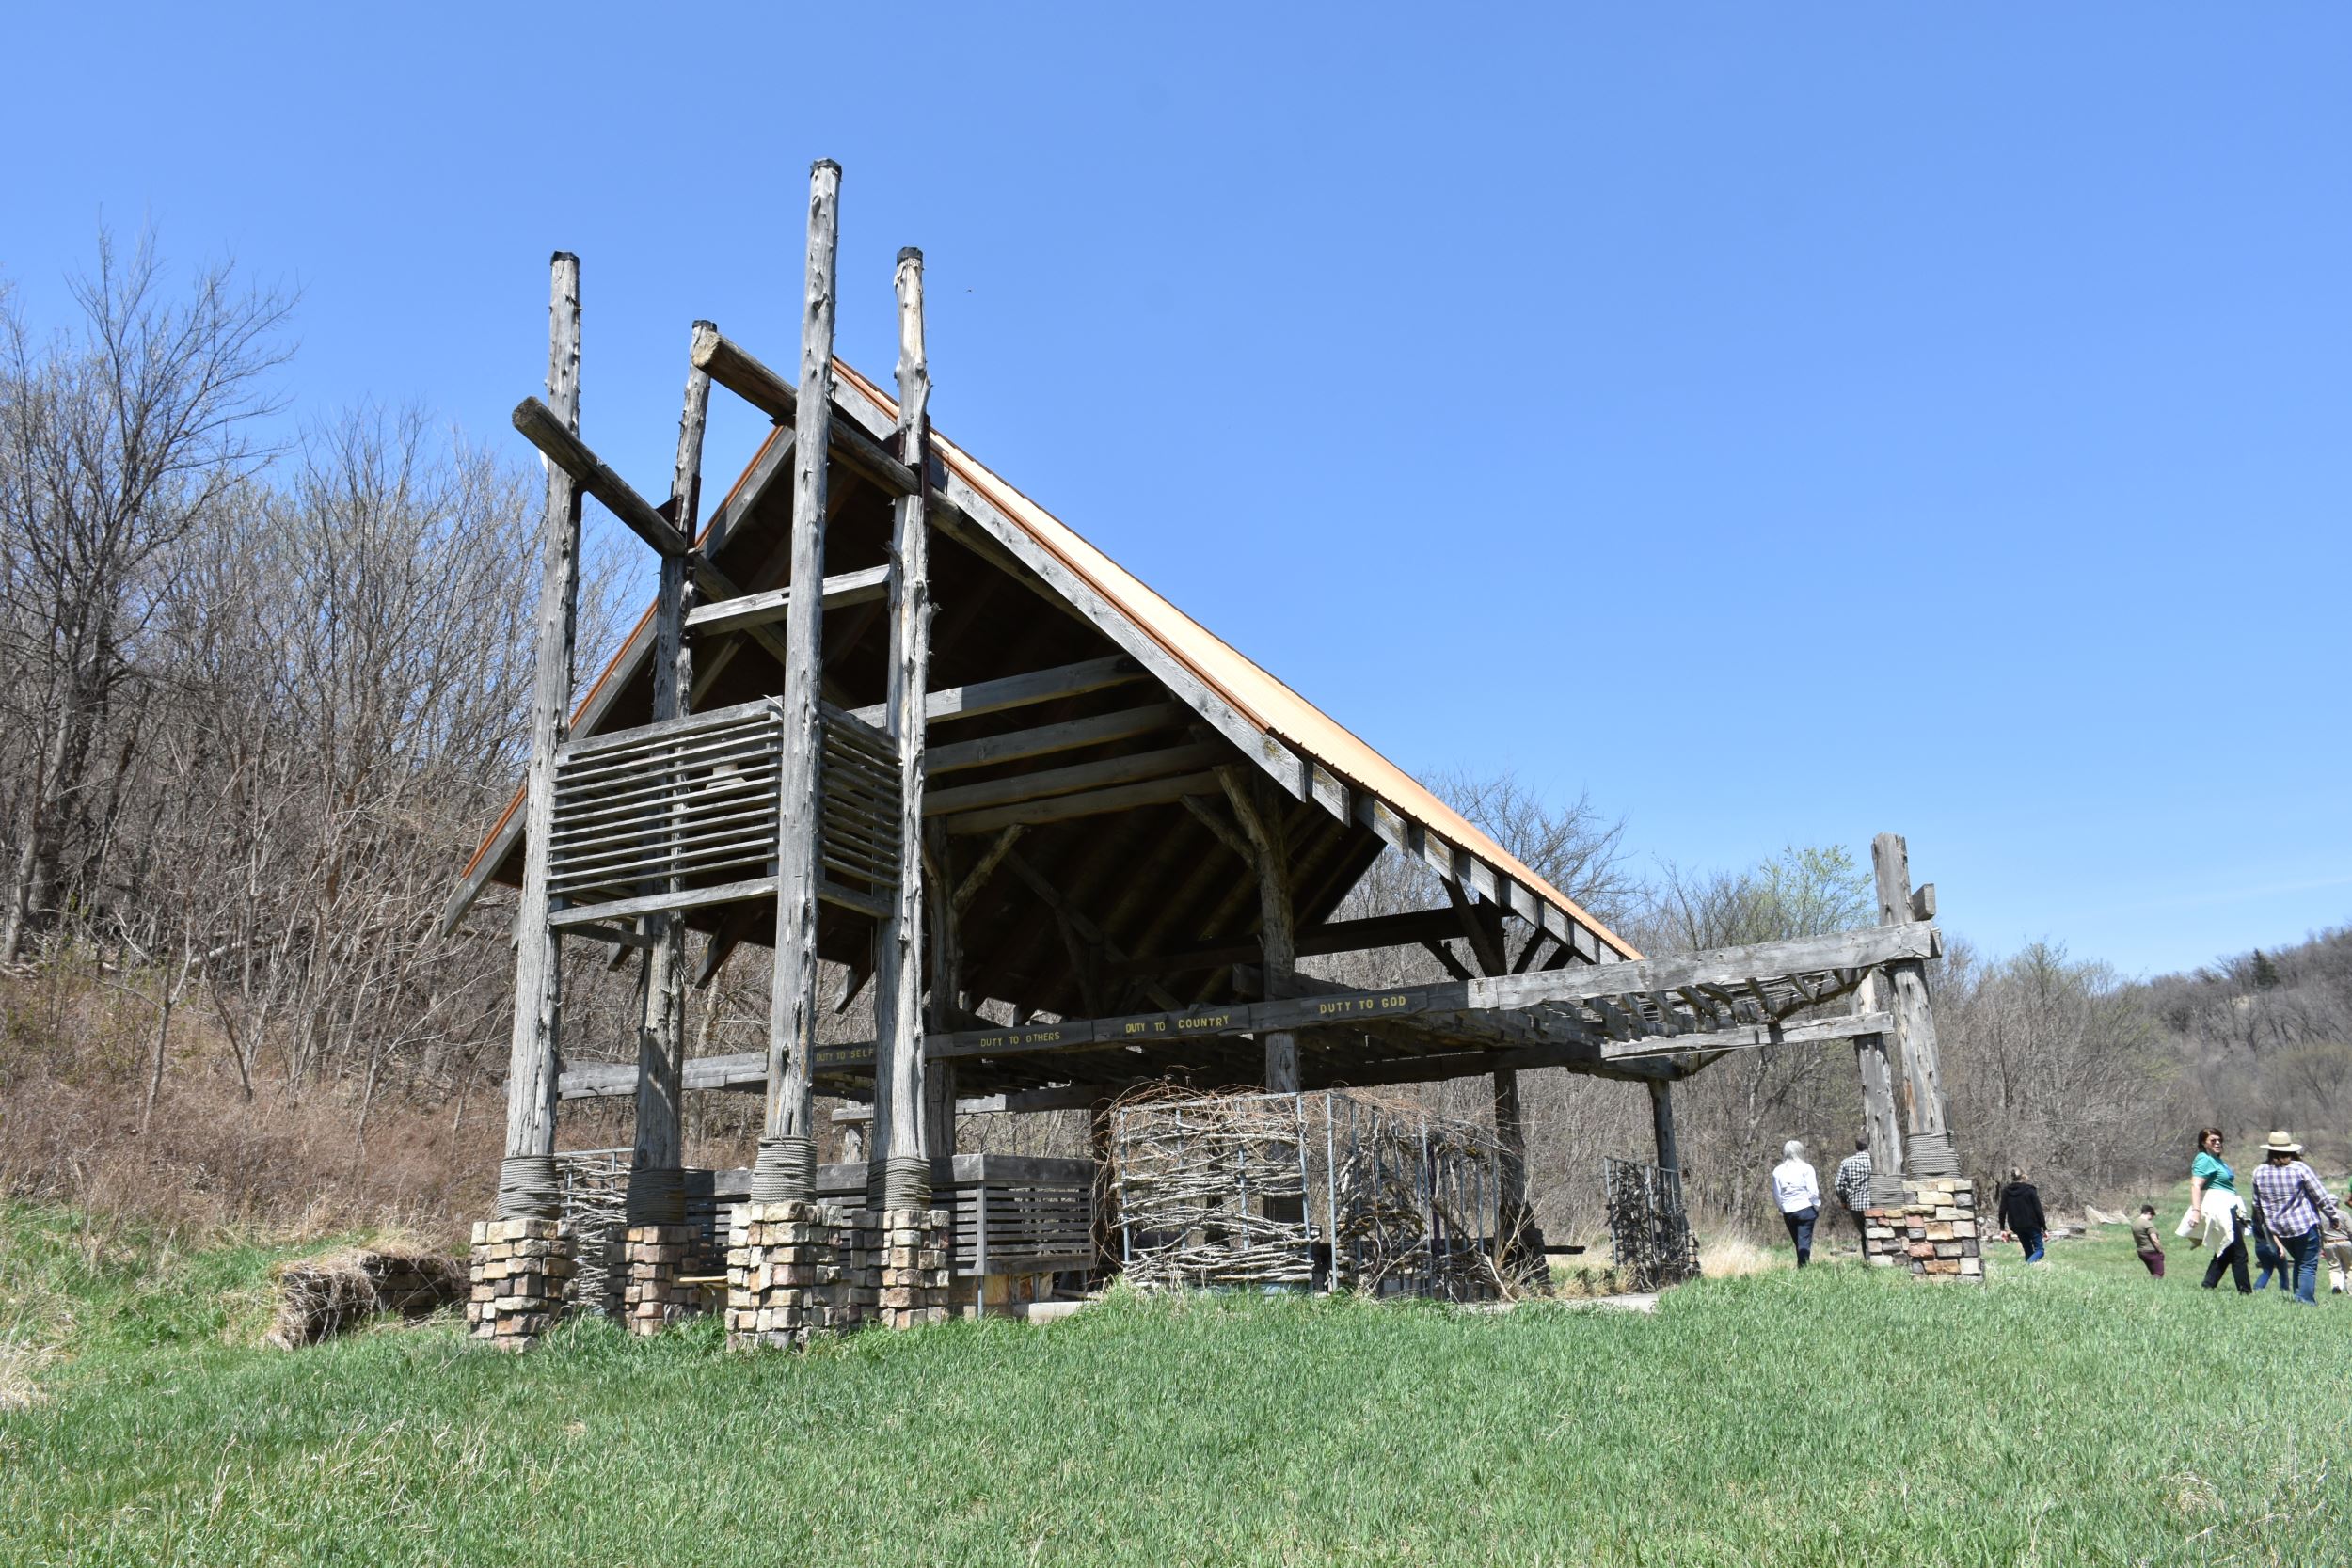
<point x="2207" y="1173"/>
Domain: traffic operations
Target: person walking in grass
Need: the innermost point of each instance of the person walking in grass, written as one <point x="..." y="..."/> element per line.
<point x="2144" y="1239"/>
<point x="2216" y="1213"/>
<point x="2021" y="1214"/>
<point x="2335" y="1245"/>
<point x="1852" y="1186"/>
<point x="2269" y="1262"/>
<point x="2292" y="1200"/>
<point x="1798" y="1192"/>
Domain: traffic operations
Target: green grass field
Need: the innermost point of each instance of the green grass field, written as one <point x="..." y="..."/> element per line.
<point x="2074" y="1414"/>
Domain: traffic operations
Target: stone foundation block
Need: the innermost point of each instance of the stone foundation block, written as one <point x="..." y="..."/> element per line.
<point x="521" y="1273"/>
<point x="1933" y="1232"/>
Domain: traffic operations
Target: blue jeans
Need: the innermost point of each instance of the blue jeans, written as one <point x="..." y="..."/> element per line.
<point x="2303" y="1252"/>
<point x="2273" y="1261"/>
<point x="1801" y="1233"/>
<point x="2031" y="1241"/>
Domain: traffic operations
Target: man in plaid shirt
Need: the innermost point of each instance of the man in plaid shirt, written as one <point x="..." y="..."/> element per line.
<point x="1852" y="1185"/>
<point x="2292" y="1200"/>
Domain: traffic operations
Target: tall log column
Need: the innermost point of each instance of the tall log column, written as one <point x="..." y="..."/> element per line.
<point x="786" y="1170"/>
<point x="657" y="1194"/>
<point x="527" y="1186"/>
<point x="945" y="1003"/>
<point x="1882" y="1124"/>
<point x="899" y="1176"/>
<point x="1261" y="818"/>
<point x="1901" y="988"/>
<point x="1661" y="1124"/>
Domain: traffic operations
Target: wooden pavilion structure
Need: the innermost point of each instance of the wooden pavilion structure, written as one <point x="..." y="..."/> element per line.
<point x="888" y="712"/>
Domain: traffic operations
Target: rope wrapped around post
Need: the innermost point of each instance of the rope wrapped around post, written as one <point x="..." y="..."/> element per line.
<point x="1932" y="1154"/>
<point x="906" y="1184"/>
<point x="529" y="1189"/>
<point x="786" y="1170"/>
<point x="656" y="1196"/>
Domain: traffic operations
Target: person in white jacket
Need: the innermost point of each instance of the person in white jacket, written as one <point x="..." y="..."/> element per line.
<point x="1798" y="1192"/>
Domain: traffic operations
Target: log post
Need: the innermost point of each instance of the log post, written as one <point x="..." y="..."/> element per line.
<point x="785" y="1169"/>
<point x="1519" y="1242"/>
<point x="945" y="1010"/>
<point x="656" y="1192"/>
<point x="1901" y="988"/>
<point x="1261" y="818"/>
<point x="527" y="1188"/>
<point x="1661" y="1124"/>
<point x="898" y="1177"/>
<point x="1881" y="1124"/>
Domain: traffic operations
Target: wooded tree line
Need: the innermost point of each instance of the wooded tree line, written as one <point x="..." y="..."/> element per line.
<point x="263" y="686"/>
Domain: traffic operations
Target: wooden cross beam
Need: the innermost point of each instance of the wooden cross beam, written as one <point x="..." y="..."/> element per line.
<point x="842" y="589"/>
<point x="1748" y="1037"/>
<point x="764" y="389"/>
<point x="542" y="429"/>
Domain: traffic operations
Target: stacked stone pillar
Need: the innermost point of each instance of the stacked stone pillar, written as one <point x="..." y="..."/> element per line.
<point x="651" y="1297"/>
<point x="1933" y="1232"/>
<point x="795" y="1270"/>
<point x="522" y="1277"/>
<point x="914" y="1267"/>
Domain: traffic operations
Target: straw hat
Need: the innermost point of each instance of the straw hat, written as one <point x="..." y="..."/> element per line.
<point x="2281" y="1144"/>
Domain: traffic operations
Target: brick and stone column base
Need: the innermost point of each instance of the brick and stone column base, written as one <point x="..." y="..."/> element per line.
<point x="777" y="1255"/>
<point x="914" y="1267"/>
<point x="1934" y="1233"/>
<point x="522" y="1277"/>
<point x="651" y="1297"/>
<point x="799" y="1269"/>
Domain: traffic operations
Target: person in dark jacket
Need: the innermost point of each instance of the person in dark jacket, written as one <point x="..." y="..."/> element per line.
<point x="2021" y="1214"/>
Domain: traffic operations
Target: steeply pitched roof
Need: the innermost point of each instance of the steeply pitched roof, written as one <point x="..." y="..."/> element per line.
<point x="1312" y="757"/>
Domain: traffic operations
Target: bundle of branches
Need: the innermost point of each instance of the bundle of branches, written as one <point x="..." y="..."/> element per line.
<point x="1212" y="1190"/>
<point x="322" y="1296"/>
<point x="594" y="1183"/>
<point x="1343" y="1188"/>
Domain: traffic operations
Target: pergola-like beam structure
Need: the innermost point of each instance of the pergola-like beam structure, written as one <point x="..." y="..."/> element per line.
<point x="1457" y="1007"/>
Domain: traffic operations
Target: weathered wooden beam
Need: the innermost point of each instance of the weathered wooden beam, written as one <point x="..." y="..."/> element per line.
<point x="900" y="1170"/>
<point x="785" y="1169"/>
<point x="1259" y="816"/>
<point x="1662" y="1126"/>
<point x="1071" y="780"/>
<point x="545" y="429"/>
<point x="526" y="1181"/>
<point x="864" y="586"/>
<point x="1225" y="833"/>
<point x="1729" y="966"/>
<point x="715" y="955"/>
<point x="1046" y="739"/>
<point x="741" y="373"/>
<point x="1903" y="989"/>
<point x="944" y="1006"/>
<point x="1096" y="802"/>
<point x="692" y="898"/>
<point x="986" y="865"/>
<point x="1023" y="690"/>
<point x="658" y="1143"/>
<point x="1747" y="1037"/>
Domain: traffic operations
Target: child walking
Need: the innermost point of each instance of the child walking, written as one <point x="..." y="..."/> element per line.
<point x="2144" y="1238"/>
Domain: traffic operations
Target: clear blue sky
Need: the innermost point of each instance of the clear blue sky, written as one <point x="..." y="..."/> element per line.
<point x="1784" y="422"/>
